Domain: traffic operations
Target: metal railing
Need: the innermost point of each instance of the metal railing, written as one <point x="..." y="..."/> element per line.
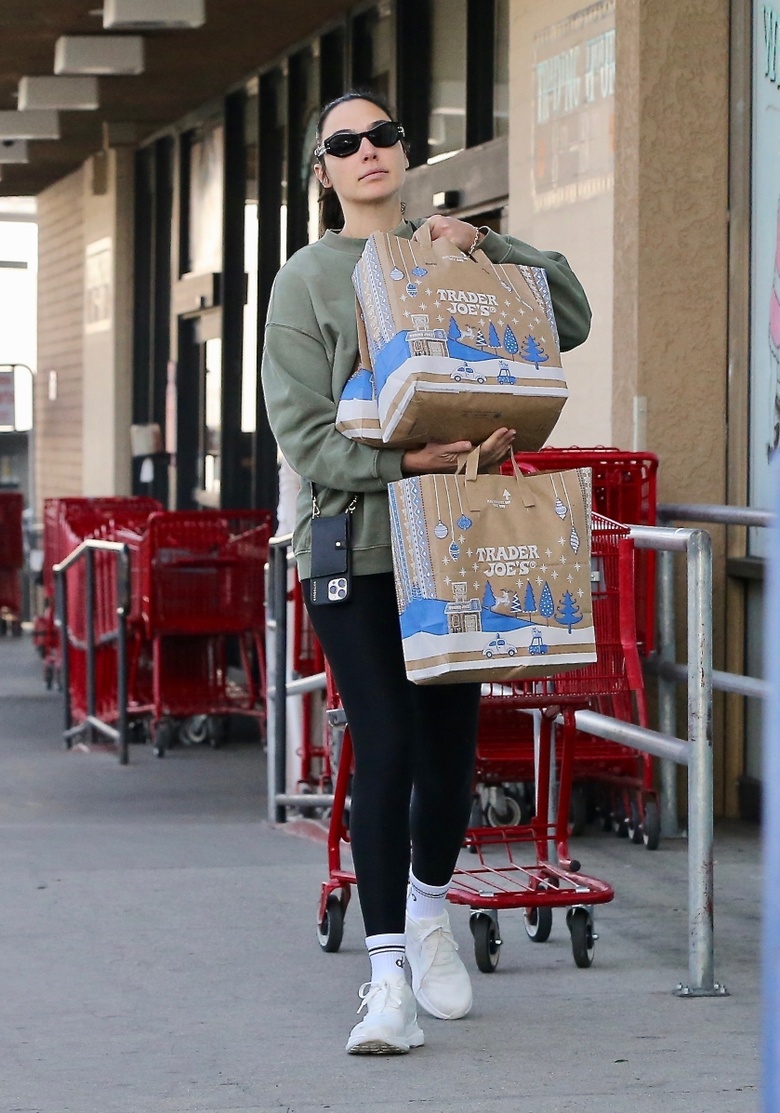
<point x="664" y="664"/>
<point x="91" y="723"/>
<point x="696" y="752"/>
<point x="280" y="561"/>
<point x="771" y="822"/>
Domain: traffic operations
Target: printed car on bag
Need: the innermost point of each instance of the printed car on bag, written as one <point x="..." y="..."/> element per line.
<point x="499" y="646"/>
<point x="467" y="373"/>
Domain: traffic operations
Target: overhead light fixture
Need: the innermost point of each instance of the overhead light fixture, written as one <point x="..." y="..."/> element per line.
<point x="99" y="54"/>
<point x="13" y="150"/>
<point x="36" y="123"/>
<point x="71" y="93"/>
<point x="152" y="15"/>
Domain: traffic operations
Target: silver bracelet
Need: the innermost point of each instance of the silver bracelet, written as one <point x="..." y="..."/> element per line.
<point x="473" y="247"/>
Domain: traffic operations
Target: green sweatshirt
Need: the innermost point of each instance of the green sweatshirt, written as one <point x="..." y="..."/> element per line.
<point x="310" y="351"/>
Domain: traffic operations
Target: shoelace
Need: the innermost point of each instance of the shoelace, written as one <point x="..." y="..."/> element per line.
<point x="390" y="995"/>
<point x="430" y="949"/>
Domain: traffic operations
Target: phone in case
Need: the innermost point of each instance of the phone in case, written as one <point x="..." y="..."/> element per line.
<point x="331" y="574"/>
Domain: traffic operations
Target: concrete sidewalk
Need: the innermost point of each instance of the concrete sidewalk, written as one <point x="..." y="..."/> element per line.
<point x="158" y="956"/>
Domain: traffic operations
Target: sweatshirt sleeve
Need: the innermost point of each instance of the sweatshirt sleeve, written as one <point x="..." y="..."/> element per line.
<point x="297" y="385"/>
<point x="572" y="312"/>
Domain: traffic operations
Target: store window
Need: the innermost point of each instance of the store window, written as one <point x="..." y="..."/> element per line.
<point x="501" y="69"/>
<point x="206" y="172"/>
<point x="447" y="125"/>
<point x="251" y="236"/>
<point x="372" y="50"/>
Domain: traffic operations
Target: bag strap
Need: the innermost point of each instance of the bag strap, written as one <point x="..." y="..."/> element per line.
<point x="468" y="466"/>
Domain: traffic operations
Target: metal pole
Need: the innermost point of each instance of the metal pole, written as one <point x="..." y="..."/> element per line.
<point x="771" y="822"/>
<point x="701" y="966"/>
<point x="90" y="624"/>
<point x="61" y="594"/>
<point x="270" y="683"/>
<point x="278" y="771"/>
<point x="667" y="691"/>
<point x="123" y="598"/>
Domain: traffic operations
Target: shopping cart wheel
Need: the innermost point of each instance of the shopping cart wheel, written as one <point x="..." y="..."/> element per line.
<point x="164" y="734"/>
<point x="538" y="923"/>
<point x="330" y="930"/>
<point x="506" y="812"/>
<point x="218" y="729"/>
<point x="580" y="924"/>
<point x="619" y="822"/>
<point x="651" y="831"/>
<point x="634" y="826"/>
<point x="487" y="944"/>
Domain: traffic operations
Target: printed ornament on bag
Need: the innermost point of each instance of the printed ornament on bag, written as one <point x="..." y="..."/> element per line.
<point x="492" y="583"/>
<point x="458" y="346"/>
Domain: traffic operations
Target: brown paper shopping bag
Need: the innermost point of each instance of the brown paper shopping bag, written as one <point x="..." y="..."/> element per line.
<point x="458" y="346"/>
<point x="493" y="574"/>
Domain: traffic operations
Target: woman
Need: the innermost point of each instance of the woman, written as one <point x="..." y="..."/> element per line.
<point x="414" y="746"/>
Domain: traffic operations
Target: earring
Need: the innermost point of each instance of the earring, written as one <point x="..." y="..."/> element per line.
<point x="403" y="208"/>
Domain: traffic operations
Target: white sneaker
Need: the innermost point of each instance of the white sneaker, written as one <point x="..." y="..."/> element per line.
<point x="390" y="1025"/>
<point x="440" y="981"/>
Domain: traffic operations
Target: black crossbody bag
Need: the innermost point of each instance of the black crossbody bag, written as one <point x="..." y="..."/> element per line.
<point x="331" y="555"/>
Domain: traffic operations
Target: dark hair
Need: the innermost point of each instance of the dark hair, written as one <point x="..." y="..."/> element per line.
<point x="331" y="215"/>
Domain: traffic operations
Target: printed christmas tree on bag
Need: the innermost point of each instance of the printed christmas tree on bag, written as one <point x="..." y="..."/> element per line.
<point x="569" y="614"/>
<point x="532" y="352"/>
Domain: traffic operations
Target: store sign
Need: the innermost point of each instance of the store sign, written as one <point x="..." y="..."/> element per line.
<point x="98" y="286"/>
<point x="7" y="409"/>
<point x="574" y="75"/>
<point x="765" y="258"/>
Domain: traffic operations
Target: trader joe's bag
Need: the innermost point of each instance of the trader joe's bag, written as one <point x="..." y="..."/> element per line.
<point x="458" y="346"/>
<point x="493" y="574"/>
<point x="357" y="416"/>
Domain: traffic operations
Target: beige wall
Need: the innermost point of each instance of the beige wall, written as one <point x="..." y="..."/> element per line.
<point x="108" y="225"/>
<point x="60" y="338"/>
<point x="671" y="269"/>
<point x="560" y="185"/>
<point x="652" y="252"/>
<point x="85" y="330"/>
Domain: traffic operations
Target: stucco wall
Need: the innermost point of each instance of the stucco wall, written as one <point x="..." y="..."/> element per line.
<point x="671" y="252"/>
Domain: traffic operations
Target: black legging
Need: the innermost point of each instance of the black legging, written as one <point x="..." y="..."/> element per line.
<point x="412" y="744"/>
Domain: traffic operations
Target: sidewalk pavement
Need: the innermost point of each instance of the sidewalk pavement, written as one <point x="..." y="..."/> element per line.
<point x="158" y="955"/>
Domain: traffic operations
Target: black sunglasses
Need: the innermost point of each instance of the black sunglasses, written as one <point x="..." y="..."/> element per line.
<point x="345" y="143"/>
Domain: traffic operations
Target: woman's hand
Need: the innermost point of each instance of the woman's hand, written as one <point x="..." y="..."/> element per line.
<point x="436" y="459"/>
<point x="496" y="449"/>
<point x="433" y="458"/>
<point x="457" y="231"/>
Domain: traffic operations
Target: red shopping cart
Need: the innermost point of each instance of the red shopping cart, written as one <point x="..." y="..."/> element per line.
<point x="528" y="712"/>
<point x="66" y="523"/>
<point x="202" y="590"/>
<point x="11" y="561"/>
<point x="609" y="780"/>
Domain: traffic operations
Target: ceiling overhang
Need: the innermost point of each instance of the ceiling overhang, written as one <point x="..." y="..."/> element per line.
<point x="183" y="70"/>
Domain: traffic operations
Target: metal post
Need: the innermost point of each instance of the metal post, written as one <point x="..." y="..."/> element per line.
<point x="667" y="690"/>
<point x="278" y="771"/>
<point x="90" y="624"/>
<point x="123" y="599"/>
<point x="771" y="822"/>
<point x="701" y="965"/>
<point x="61" y="595"/>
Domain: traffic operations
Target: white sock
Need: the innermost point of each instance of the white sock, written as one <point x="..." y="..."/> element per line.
<point x="425" y="902"/>
<point x="387" y="956"/>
